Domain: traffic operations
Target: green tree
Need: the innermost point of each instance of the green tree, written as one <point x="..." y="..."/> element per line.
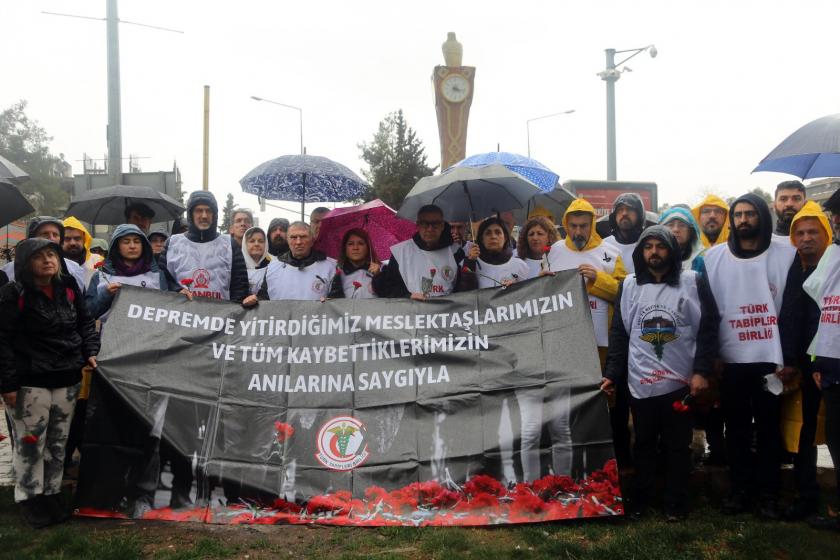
<point x="396" y="158"/>
<point x="227" y="213"/>
<point x="25" y="143"/>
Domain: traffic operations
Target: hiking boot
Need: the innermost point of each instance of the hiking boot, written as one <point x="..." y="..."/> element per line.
<point x="736" y="503"/>
<point x="768" y="509"/>
<point x="54" y="506"/>
<point x="799" y="510"/>
<point x="34" y="513"/>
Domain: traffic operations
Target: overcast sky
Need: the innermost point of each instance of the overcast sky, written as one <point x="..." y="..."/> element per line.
<point x="731" y="81"/>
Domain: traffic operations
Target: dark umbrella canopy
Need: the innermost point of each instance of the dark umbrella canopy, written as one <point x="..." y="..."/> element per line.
<point x="107" y="205"/>
<point x="13" y="204"/>
<point x="304" y="178"/>
<point x="10" y="172"/>
<point x="812" y="151"/>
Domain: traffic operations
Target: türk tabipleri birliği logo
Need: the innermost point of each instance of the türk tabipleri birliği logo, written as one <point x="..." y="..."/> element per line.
<point x="341" y="444"/>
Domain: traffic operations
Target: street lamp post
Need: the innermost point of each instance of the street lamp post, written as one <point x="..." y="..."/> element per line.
<point x="302" y="150"/>
<point x="528" y="124"/>
<point x="611" y="75"/>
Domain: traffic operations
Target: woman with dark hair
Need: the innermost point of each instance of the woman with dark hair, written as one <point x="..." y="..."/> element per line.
<point x="491" y="259"/>
<point x="535" y="240"/>
<point x="357" y="266"/>
<point x="255" y="253"/>
<point x="46" y="337"/>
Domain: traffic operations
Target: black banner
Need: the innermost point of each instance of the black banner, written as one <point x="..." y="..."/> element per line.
<point x="476" y="409"/>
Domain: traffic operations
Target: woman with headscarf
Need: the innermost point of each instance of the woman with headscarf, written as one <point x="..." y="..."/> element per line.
<point x="535" y="240"/>
<point x="491" y="259"/>
<point x="46" y="336"/>
<point x="255" y="252"/>
<point x="357" y="267"/>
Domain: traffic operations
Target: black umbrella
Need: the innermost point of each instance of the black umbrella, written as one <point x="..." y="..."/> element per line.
<point x="13" y="204"/>
<point x="11" y="172"/>
<point x="107" y="206"/>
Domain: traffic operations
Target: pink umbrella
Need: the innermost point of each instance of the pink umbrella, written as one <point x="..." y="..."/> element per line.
<point x="378" y="219"/>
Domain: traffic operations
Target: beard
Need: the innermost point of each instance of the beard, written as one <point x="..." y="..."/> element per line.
<point x="579" y="241"/>
<point x="746" y="231"/>
<point x="657" y="264"/>
<point x="278" y="248"/>
<point x="75" y="254"/>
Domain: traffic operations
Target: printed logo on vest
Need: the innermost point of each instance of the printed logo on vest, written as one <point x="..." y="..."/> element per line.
<point x="607" y="258"/>
<point x="319" y="284"/>
<point x="201" y="278"/>
<point x="341" y="444"/>
<point x="447" y="273"/>
<point x="658" y="328"/>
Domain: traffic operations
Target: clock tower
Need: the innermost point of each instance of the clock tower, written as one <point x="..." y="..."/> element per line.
<point x="453" y="85"/>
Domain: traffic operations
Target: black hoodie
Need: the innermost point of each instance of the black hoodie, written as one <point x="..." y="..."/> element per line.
<point x="44" y="342"/>
<point x="239" y="286"/>
<point x="634" y="201"/>
<point x="765" y="226"/>
<point x="707" y="333"/>
<point x="389" y="283"/>
<point x="281" y="247"/>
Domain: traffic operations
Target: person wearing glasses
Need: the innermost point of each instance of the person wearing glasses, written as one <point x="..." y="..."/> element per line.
<point x="424" y="266"/>
<point x="713" y="216"/>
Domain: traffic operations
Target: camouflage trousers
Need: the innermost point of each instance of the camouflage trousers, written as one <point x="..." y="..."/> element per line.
<point x="40" y="425"/>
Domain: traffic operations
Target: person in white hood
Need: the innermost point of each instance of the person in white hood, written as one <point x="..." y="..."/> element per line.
<point x="255" y="253"/>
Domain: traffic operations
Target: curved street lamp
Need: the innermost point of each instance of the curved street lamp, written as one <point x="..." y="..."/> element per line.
<point x="528" y="124"/>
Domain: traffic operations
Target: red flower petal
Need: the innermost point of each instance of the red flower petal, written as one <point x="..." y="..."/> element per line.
<point x="187" y="281"/>
<point x="357" y="284"/>
<point x="29" y="438"/>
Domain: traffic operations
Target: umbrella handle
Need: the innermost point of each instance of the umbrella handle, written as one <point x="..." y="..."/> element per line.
<point x="472" y="212"/>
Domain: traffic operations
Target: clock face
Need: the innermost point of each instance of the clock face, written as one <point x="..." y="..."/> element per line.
<point x="455" y="88"/>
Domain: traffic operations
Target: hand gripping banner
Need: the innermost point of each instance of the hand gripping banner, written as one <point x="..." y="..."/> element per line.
<point x="481" y="408"/>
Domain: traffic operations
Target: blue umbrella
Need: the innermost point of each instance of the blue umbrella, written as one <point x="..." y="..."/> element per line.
<point x="304" y="178"/>
<point x="529" y="168"/>
<point x="810" y="152"/>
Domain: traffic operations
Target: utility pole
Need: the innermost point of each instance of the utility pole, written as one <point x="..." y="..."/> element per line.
<point x="205" y="176"/>
<point x="114" y="107"/>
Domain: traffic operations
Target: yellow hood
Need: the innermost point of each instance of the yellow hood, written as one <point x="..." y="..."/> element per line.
<point x="72" y="222"/>
<point x="812" y="210"/>
<point x="581" y="205"/>
<point x="713" y="200"/>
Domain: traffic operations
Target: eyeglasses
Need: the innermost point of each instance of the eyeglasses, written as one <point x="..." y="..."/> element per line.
<point x="425" y="224"/>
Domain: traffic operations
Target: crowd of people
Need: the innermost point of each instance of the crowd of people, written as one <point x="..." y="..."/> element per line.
<point x="702" y="320"/>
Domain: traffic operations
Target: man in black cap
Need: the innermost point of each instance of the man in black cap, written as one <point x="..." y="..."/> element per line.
<point x="627" y="220"/>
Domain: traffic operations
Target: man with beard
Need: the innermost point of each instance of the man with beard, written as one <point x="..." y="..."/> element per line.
<point x="277" y="244"/>
<point x="810" y="233"/>
<point x="663" y="342"/>
<point x="823" y="286"/>
<point x="627" y="220"/>
<point x="602" y="268"/>
<point x="713" y="216"/>
<point x="789" y="199"/>
<point x="76" y="247"/>
<point x="747" y="276"/>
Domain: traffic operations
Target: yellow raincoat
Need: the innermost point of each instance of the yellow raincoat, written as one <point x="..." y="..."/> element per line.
<point x="713" y="200"/>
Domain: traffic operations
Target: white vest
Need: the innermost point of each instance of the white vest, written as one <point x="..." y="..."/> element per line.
<point x="76" y="271"/>
<point x="429" y="272"/>
<point x="626" y="251"/>
<point x="603" y="257"/>
<point x="662" y="322"/>
<point x="312" y="282"/>
<point x="208" y="264"/>
<point x="823" y="285"/>
<point x="362" y="277"/>
<point x="492" y="275"/>
<point x="255" y="279"/>
<point x="534" y="267"/>
<point x="748" y="293"/>
<point x="148" y="279"/>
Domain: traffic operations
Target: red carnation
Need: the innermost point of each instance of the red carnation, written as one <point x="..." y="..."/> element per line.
<point x="357" y="284"/>
<point x="2" y="437"/>
<point x="433" y="271"/>
<point x="99" y="265"/>
<point x="546" y="248"/>
<point x="680" y="407"/>
<point x="484" y="484"/>
<point x="283" y="431"/>
<point x="338" y="270"/>
<point x="187" y="281"/>
<point x="29" y="438"/>
<point x="465" y="269"/>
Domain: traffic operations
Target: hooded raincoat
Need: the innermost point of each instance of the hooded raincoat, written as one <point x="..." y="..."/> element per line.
<point x="695" y="245"/>
<point x="712" y="200"/>
<point x="210" y="262"/>
<point x="70" y="267"/>
<point x="606" y="259"/>
<point x="256" y="269"/>
<point x="144" y="274"/>
<point x="625" y="243"/>
<point x="90" y="258"/>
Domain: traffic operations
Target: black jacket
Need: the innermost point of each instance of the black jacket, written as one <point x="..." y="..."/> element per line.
<point x="634" y="201"/>
<point x="389" y="283"/>
<point x="765" y="224"/>
<point x="798" y="318"/>
<point x="239" y="285"/>
<point x="707" y="333"/>
<point x="43" y="342"/>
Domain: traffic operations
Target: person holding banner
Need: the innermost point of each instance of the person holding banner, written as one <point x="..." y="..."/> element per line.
<point x="424" y="266"/>
<point x="357" y="267"/>
<point x="663" y="340"/>
<point x="46" y="337"/>
<point x="203" y="262"/>
<point x="492" y="260"/>
<point x="602" y="268"/>
<point x="301" y="274"/>
<point x="535" y="240"/>
<point x="747" y="275"/>
<point x="256" y="255"/>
